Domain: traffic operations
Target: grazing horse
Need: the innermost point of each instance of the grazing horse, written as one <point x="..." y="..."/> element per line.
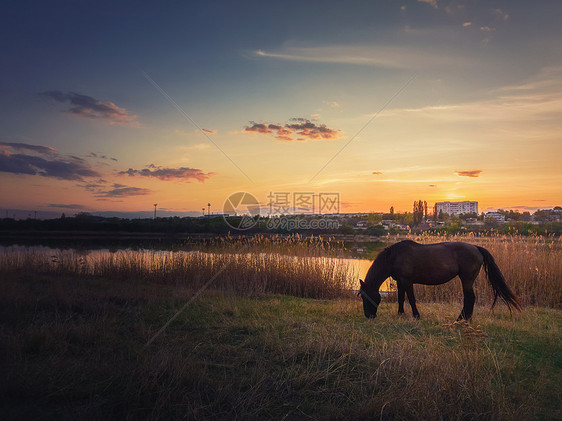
<point x="409" y="263"/>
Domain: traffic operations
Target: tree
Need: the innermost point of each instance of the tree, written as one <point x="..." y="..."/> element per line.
<point x="392" y="212"/>
<point x="418" y="213"/>
<point x="376" y="230"/>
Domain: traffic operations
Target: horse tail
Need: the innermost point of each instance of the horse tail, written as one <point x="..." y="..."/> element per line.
<point x="497" y="281"/>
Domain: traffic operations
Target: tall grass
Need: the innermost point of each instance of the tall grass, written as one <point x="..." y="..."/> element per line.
<point x="241" y="273"/>
<point x="299" y="266"/>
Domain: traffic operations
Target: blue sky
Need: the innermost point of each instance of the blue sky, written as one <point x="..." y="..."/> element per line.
<point x="485" y="96"/>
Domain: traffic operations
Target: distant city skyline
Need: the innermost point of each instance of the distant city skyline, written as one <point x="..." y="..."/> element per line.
<point x="113" y="107"/>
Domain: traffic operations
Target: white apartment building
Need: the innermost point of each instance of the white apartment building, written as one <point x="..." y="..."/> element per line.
<point x="456" y="208"/>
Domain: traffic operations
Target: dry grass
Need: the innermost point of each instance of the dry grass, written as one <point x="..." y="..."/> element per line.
<point x="233" y="267"/>
<point x="299" y="266"/>
<point x="74" y="348"/>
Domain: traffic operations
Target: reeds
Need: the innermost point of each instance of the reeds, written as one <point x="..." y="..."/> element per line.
<point x="298" y="266"/>
<point x="239" y="271"/>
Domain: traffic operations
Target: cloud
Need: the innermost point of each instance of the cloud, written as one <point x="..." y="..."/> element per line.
<point x="466" y="24"/>
<point x="62" y="206"/>
<point x="332" y="104"/>
<point x="25" y="146"/>
<point x="538" y="98"/>
<point x="167" y="174"/>
<point x="95" y="186"/>
<point x="501" y="14"/>
<point x="377" y="173"/>
<point x="95" y="155"/>
<point x="471" y="173"/>
<point x="432" y="185"/>
<point x="46" y="162"/>
<point x="88" y="107"/>
<point x="487" y="29"/>
<point x="432" y="3"/>
<point x="260" y="128"/>
<point x="386" y="56"/>
<point x="124" y="192"/>
<point x="209" y="131"/>
<point x="299" y="129"/>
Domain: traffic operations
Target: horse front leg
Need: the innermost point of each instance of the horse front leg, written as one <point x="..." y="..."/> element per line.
<point x="412" y="300"/>
<point x="401" y="296"/>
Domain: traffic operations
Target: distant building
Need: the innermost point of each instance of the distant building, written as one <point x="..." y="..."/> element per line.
<point x="495" y="216"/>
<point x="362" y="225"/>
<point x="456" y="208"/>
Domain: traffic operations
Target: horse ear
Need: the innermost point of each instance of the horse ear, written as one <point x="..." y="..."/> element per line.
<point x="361" y="282"/>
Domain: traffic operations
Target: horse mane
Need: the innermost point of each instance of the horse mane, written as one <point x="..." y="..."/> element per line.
<point x="379" y="267"/>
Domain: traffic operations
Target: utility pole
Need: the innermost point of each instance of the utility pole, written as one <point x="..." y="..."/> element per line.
<point x="156" y="204"/>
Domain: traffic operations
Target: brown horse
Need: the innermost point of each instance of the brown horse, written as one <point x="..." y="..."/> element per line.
<point x="409" y="263"/>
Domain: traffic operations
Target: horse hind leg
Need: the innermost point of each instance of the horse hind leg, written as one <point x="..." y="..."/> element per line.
<point x="469" y="297"/>
<point x="412" y="300"/>
<point x="401" y="296"/>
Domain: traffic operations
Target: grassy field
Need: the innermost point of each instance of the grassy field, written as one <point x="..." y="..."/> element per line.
<point x="74" y="347"/>
<point x="277" y="335"/>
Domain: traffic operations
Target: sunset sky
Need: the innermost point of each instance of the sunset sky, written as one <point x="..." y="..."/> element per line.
<point x="115" y="106"/>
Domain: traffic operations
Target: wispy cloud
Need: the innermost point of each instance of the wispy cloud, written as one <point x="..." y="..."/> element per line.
<point x="537" y="99"/>
<point x="88" y="107"/>
<point x="124" y="192"/>
<point x="470" y="173"/>
<point x="64" y="206"/>
<point x="43" y="161"/>
<point x="167" y="174"/>
<point x="388" y="56"/>
<point x="209" y="131"/>
<point x="27" y="147"/>
<point x="332" y="104"/>
<point x="298" y="129"/>
<point x="377" y="173"/>
<point x="501" y="13"/>
<point x="100" y="156"/>
<point x="432" y="3"/>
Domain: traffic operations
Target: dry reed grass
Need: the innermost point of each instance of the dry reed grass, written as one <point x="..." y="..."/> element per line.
<point x="237" y="271"/>
<point x="300" y="266"/>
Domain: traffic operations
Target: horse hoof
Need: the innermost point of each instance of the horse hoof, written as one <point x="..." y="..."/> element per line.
<point x="416" y="316"/>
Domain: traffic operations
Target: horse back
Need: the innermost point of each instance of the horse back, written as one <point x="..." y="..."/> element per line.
<point x="433" y="263"/>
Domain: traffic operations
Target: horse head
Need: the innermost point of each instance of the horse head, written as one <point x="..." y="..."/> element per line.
<point x="371" y="300"/>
